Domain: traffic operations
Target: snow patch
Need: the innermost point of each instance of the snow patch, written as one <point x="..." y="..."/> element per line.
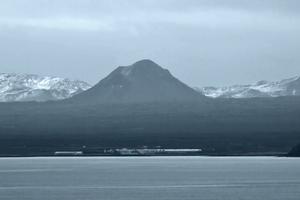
<point x="126" y="71"/>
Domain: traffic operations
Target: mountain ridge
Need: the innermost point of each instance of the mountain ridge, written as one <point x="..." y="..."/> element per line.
<point x="285" y="87"/>
<point x="31" y="87"/>
<point x="134" y="81"/>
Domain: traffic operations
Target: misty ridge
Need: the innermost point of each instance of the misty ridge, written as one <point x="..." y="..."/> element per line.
<point x="143" y="104"/>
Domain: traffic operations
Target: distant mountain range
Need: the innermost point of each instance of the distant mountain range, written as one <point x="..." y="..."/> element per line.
<point x="286" y="87"/>
<point x="28" y="87"/>
<point x="142" y="81"/>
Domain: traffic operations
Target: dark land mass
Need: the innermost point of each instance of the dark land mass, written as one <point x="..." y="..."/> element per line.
<point x="295" y="151"/>
<point x="144" y="105"/>
<point x="217" y="126"/>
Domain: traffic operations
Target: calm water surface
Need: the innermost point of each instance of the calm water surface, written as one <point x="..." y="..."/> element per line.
<point x="155" y="178"/>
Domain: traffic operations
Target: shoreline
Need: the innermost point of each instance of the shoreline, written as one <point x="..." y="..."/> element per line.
<point x="140" y="156"/>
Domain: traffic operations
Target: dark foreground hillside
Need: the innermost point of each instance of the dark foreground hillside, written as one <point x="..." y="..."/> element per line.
<point x="221" y="126"/>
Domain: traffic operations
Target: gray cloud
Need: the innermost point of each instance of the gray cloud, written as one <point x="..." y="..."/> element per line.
<point x="204" y="42"/>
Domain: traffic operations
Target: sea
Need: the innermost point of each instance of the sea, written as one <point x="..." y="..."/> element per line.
<point x="145" y="178"/>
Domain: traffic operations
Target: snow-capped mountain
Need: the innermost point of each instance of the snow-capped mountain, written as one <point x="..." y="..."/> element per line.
<point x="29" y="87"/>
<point x="286" y="87"/>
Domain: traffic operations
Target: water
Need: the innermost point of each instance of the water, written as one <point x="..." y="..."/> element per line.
<point x="155" y="178"/>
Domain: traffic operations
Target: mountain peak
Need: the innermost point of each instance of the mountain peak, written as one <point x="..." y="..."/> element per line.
<point x="145" y="62"/>
<point x="143" y="67"/>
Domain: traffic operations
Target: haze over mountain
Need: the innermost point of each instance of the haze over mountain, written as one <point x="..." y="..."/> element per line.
<point x="286" y="87"/>
<point x="143" y="81"/>
<point x="30" y="87"/>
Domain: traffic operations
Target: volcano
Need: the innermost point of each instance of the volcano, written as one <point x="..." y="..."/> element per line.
<point x="142" y="82"/>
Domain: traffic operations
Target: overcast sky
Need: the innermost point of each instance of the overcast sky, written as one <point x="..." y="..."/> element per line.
<point x="202" y="42"/>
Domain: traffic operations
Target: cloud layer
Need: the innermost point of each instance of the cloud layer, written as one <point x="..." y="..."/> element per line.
<point x="207" y="42"/>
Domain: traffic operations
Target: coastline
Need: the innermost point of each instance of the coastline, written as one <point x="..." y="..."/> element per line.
<point x="263" y="154"/>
